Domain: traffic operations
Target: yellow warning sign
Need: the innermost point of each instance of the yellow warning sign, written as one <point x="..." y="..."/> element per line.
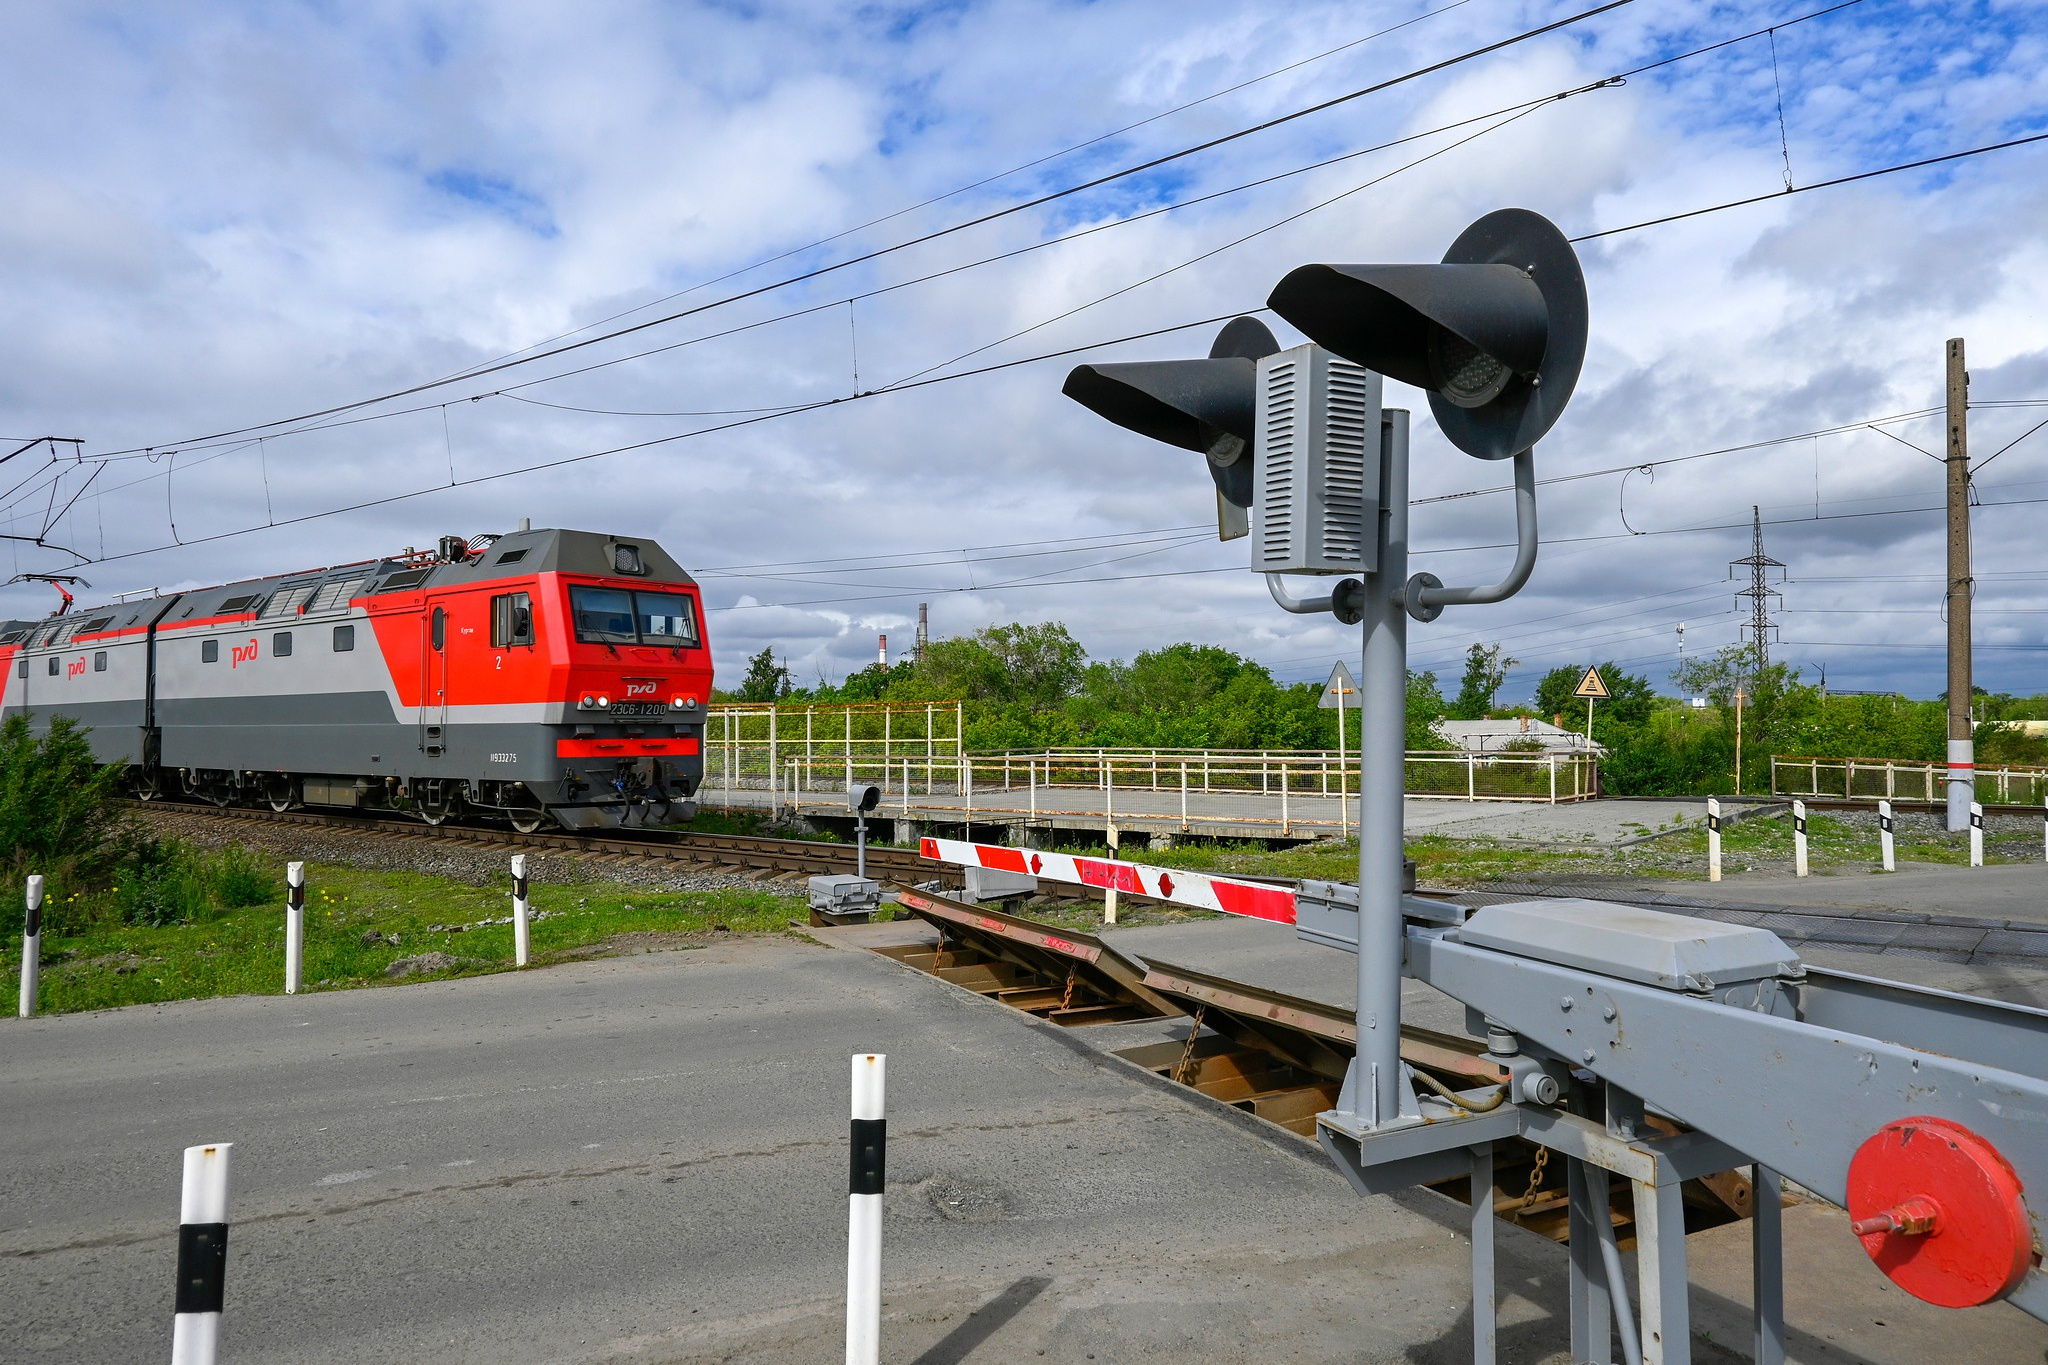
<point x="1591" y="686"/>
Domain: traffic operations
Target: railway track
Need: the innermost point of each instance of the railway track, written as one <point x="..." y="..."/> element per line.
<point x="1278" y="1057"/>
<point x="747" y="853"/>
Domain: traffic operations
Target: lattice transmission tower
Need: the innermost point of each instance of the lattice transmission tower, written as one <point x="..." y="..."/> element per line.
<point x="1761" y="629"/>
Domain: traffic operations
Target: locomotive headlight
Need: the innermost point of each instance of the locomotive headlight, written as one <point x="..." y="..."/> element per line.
<point x="589" y="703"/>
<point x="680" y="703"/>
<point x="603" y="701"/>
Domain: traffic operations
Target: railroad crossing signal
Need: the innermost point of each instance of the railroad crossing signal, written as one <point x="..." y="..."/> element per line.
<point x="1496" y="334"/>
<point x="1202" y="405"/>
<point x="1592" y="687"/>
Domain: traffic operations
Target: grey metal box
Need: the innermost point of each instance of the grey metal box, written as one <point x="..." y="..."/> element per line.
<point x="1651" y="947"/>
<point x="1316" y="505"/>
<point x="842" y="893"/>
<point x="993" y="884"/>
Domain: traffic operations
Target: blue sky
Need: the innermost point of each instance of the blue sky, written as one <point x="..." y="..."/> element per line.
<point x="225" y="214"/>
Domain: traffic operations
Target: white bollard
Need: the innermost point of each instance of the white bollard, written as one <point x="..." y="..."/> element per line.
<point x="1109" y="892"/>
<point x="32" y="947"/>
<point x="1884" y="835"/>
<point x="519" y="938"/>
<point x="202" y="1254"/>
<point x="294" y="927"/>
<point x="1799" y="838"/>
<point x="864" y="1212"/>
<point x="1713" y="839"/>
<point x="1976" y="834"/>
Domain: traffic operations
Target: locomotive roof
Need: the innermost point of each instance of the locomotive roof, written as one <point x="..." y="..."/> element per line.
<point x="325" y="590"/>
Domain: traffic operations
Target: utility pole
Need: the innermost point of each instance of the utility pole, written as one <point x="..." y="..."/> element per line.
<point x="1962" y="746"/>
<point x="1759" y="592"/>
<point x="923" y="631"/>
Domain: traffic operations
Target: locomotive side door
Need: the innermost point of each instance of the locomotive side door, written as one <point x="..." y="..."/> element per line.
<point x="434" y="681"/>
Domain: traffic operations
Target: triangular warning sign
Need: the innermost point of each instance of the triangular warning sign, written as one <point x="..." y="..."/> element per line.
<point x="1591" y="686"/>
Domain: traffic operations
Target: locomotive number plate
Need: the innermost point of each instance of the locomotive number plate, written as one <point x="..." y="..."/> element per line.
<point x="638" y="708"/>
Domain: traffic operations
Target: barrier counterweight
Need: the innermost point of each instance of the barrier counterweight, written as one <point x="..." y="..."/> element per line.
<point x="864" y="1212"/>
<point x="202" y="1254"/>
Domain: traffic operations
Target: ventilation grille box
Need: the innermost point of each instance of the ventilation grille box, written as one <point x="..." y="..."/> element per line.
<point x="1316" y="509"/>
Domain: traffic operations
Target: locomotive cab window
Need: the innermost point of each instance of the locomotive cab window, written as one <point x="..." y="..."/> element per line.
<point x="209" y="652"/>
<point x="344" y="639"/>
<point x="666" y="619"/>
<point x="281" y="644"/>
<point x="511" y="620"/>
<point x="604" y="616"/>
<point x="440" y="628"/>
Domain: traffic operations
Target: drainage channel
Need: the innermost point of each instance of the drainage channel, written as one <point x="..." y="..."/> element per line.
<point x="1281" y="1058"/>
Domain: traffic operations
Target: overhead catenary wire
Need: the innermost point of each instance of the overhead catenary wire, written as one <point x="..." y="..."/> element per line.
<point x="1038" y="201"/>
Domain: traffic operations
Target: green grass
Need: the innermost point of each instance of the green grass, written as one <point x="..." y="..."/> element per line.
<point x="352" y="918"/>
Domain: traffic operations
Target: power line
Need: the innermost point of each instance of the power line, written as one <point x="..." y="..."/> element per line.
<point x="978" y="184"/>
<point x="1817" y="185"/>
<point x="1053" y="196"/>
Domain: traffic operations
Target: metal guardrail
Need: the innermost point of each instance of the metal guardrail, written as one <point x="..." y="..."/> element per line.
<point x="1292" y="790"/>
<point x="1895" y="779"/>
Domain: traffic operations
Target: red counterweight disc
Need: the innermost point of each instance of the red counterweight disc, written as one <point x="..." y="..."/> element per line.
<point x="1981" y="1242"/>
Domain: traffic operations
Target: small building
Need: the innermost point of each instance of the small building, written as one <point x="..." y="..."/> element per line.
<point x="1512" y="734"/>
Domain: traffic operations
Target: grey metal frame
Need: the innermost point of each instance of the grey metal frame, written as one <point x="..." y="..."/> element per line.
<point x="1781" y="1068"/>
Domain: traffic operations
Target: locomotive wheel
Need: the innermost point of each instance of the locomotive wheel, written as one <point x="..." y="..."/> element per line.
<point x="433" y="817"/>
<point x="527" y="821"/>
<point x="281" y="804"/>
<point x="148" y="785"/>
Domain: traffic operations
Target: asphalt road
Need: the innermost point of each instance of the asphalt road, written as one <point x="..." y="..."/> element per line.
<point x="645" y="1159"/>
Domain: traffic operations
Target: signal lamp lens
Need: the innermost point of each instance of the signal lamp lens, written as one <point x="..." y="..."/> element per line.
<point x="1465" y="375"/>
<point x="587" y="703"/>
<point x="603" y="701"/>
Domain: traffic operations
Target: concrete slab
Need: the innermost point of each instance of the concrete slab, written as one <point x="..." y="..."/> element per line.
<point x="2003" y="891"/>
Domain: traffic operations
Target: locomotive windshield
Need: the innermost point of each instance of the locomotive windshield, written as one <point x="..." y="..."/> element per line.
<point x="665" y="619"/>
<point x="604" y="616"/>
<point x="613" y="616"/>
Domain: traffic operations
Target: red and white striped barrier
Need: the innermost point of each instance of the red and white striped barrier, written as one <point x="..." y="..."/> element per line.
<point x="1254" y="900"/>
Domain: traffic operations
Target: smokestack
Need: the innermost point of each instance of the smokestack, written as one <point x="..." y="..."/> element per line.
<point x="884" y="651"/>
<point x="923" y="630"/>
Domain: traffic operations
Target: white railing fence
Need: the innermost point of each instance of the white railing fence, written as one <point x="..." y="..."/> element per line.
<point x="1899" y="779"/>
<point x="1315" y="788"/>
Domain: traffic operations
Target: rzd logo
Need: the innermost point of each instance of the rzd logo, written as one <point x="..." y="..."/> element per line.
<point x="243" y="653"/>
<point x="76" y="669"/>
<point x="641" y="689"/>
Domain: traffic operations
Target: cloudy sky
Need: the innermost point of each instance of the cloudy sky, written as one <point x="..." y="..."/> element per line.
<point x="224" y="215"/>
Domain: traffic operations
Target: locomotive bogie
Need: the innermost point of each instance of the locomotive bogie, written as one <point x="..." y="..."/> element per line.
<point x="552" y="675"/>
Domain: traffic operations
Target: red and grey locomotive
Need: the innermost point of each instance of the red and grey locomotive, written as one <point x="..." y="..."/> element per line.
<point x="535" y="676"/>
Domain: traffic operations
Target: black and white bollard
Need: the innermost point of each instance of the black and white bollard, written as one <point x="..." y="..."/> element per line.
<point x="1713" y="839"/>
<point x="1976" y="835"/>
<point x="32" y="947"/>
<point x="1799" y="838"/>
<point x="1884" y="836"/>
<point x="864" y="1213"/>
<point x="202" y="1254"/>
<point x="294" y="927"/>
<point x="519" y="938"/>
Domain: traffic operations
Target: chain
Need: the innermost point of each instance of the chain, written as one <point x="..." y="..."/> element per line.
<point x="1535" y="1181"/>
<point x="1073" y="971"/>
<point x="1185" y="1068"/>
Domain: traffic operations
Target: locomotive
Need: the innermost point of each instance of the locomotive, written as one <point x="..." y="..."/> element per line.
<point x="535" y="677"/>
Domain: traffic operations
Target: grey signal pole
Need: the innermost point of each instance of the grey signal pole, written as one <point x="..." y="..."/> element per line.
<point x="1962" y="747"/>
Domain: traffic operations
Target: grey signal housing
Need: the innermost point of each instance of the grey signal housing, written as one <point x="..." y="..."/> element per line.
<point x="1207" y="405"/>
<point x="1319" y="465"/>
<point x="862" y="797"/>
<point x="1496" y="334"/>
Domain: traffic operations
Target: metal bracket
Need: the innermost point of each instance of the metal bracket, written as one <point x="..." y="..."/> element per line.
<point x="1345" y="601"/>
<point x="1424" y="596"/>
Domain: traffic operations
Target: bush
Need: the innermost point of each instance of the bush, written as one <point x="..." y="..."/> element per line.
<point x="237" y="879"/>
<point x="59" y="812"/>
